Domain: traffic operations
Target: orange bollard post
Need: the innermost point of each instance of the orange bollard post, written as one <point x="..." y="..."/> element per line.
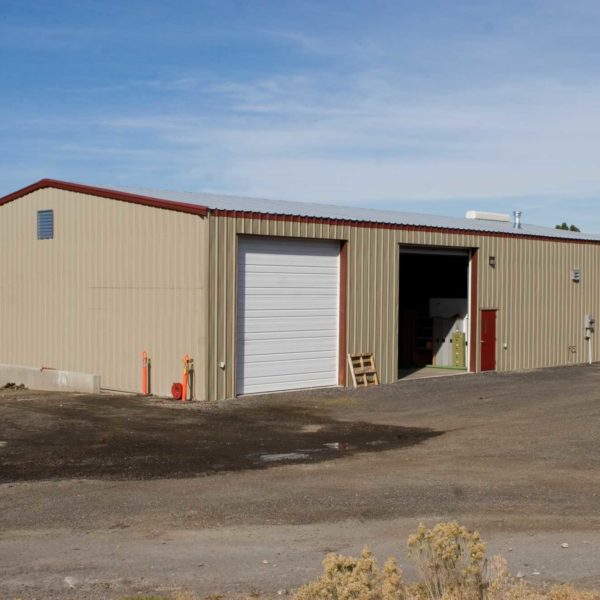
<point x="144" y="373"/>
<point x="184" y="394"/>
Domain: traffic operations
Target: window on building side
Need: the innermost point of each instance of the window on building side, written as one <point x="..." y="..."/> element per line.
<point x="45" y="224"/>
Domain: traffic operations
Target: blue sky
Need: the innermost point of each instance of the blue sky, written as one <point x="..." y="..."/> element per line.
<point x="432" y="106"/>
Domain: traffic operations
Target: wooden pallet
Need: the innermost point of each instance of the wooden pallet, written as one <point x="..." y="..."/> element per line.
<point x="363" y="369"/>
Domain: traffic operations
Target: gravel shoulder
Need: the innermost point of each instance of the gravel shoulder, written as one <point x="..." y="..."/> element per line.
<point x="120" y="494"/>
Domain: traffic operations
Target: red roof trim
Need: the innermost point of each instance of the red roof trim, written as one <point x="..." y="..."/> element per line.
<point x="396" y="226"/>
<point x="197" y="209"/>
<point x="194" y="209"/>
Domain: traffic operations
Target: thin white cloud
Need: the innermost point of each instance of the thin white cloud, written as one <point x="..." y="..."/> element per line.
<point x="377" y="120"/>
<point x="539" y="138"/>
<point x="345" y="47"/>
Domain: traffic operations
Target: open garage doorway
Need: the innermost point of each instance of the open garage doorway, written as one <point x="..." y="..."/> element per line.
<point x="434" y="303"/>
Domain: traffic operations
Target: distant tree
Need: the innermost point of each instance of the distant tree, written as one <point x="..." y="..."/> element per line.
<point x="566" y="227"/>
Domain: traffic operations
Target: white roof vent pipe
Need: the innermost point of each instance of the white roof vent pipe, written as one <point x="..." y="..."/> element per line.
<point x="517" y="221"/>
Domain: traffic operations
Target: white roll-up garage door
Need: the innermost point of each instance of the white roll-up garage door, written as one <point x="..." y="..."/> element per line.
<point x="287" y="314"/>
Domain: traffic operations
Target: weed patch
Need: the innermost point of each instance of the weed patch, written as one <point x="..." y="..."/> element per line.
<point x="452" y="565"/>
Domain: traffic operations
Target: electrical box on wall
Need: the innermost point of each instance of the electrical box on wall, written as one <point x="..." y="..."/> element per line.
<point x="589" y="322"/>
<point x="576" y="275"/>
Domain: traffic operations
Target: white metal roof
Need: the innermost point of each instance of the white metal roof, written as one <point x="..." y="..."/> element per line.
<point x="330" y="211"/>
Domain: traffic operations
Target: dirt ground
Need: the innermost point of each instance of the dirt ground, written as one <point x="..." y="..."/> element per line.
<point x="102" y="496"/>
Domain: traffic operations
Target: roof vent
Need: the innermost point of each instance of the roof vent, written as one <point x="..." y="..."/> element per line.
<point x="517" y="221"/>
<point x="487" y="216"/>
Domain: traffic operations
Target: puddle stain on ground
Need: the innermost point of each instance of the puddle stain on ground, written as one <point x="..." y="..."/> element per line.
<point x="267" y="458"/>
<point x="126" y="438"/>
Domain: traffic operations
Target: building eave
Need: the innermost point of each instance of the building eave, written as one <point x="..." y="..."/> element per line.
<point x="111" y="194"/>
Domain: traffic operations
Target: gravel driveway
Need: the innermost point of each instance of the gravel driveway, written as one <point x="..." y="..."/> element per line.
<point x="120" y="494"/>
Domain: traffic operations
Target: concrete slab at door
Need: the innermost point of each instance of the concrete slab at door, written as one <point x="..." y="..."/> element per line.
<point x="488" y="340"/>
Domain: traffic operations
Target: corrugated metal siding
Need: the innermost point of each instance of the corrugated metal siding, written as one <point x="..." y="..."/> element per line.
<point x="540" y="310"/>
<point x="117" y="279"/>
<point x="373" y="217"/>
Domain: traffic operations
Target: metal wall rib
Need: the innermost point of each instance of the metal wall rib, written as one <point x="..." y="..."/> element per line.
<point x="117" y="279"/>
<point x="540" y="310"/>
<point x="120" y="278"/>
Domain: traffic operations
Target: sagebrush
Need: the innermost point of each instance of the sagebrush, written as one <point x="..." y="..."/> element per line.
<point x="451" y="563"/>
<point x="346" y="578"/>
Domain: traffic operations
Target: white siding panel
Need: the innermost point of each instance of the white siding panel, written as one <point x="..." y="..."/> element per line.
<point x="287" y="314"/>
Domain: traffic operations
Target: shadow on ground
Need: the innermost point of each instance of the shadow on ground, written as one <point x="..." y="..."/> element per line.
<point x="126" y="437"/>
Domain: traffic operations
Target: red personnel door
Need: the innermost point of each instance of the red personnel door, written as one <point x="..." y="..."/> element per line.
<point x="488" y="340"/>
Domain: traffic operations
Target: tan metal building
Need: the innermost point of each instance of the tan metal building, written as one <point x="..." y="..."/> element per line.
<point x="268" y="296"/>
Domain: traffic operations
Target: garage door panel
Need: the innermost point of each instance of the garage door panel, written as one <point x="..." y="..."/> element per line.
<point x="284" y="269"/>
<point x="293" y="380"/>
<point x="303" y="338"/>
<point x="299" y="263"/>
<point x="303" y="302"/>
<point x="293" y="366"/>
<point x="266" y="386"/>
<point x="304" y="348"/>
<point x="290" y="256"/>
<point x="263" y="284"/>
<point x="287" y="324"/>
<point x="287" y="321"/>
<point x="265" y="262"/>
<point x="256" y="354"/>
<point x="296" y="378"/>
<point x="285" y="314"/>
<point x="293" y="336"/>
